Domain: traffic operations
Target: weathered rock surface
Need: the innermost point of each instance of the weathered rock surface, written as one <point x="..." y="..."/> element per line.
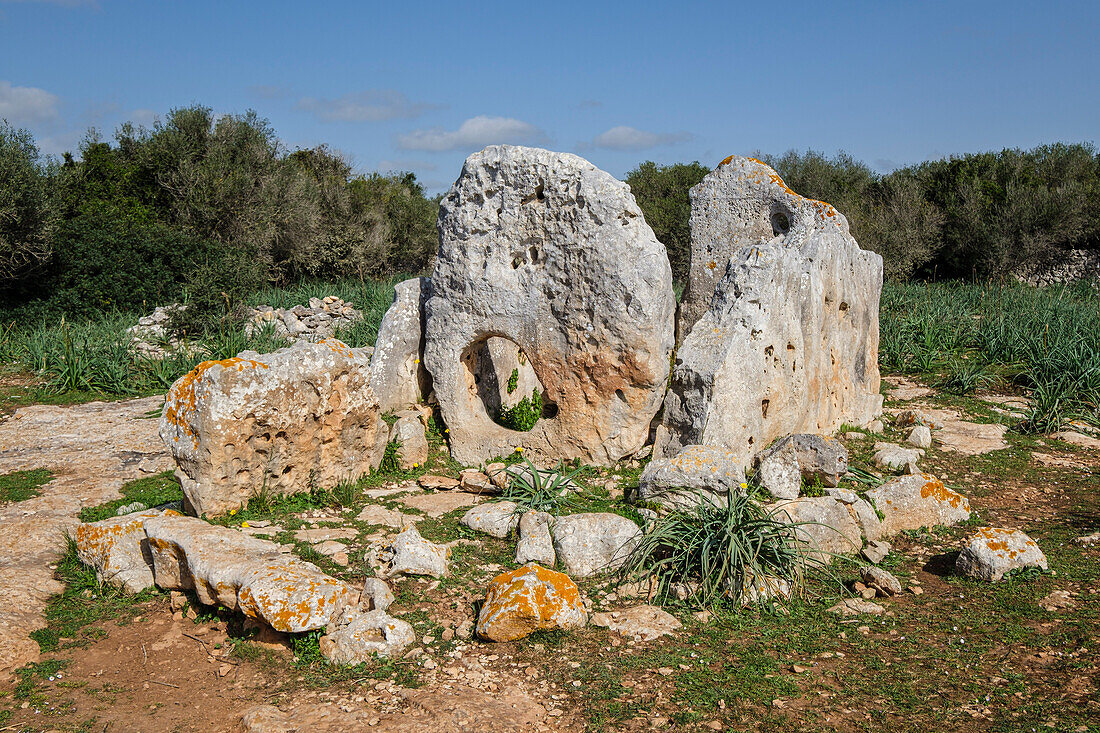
<point x="820" y="459"/>
<point x="876" y="550"/>
<point x="498" y="519"/>
<point x="862" y="512"/>
<point x="374" y="514"/>
<point x="376" y="595"/>
<point x="825" y="524"/>
<point x="397" y="373"/>
<point x="591" y="543"/>
<point x="535" y="542"/>
<point x="778" y="472"/>
<point x="81" y="446"/>
<point x="779" y="324"/>
<point x="644" y="623"/>
<point x="919" y="500"/>
<point x="892" y="457"/>
<point x="881" y="580"/>
<point x="414" y="555"/>
<point x="857" y="607"/>
<point x="228" y="568"/>
<point x="920" y="436"/>
<point x="549" y="252"/>
<point x="696" y="471"/>
<point x="991" y="552"/>
<point x="118" y="550"/>
<point x="412" y="449"/>
<point x="438" y="483"/>
<point x="529" y="599"/>
<point x="280" y="422"/>
<point x="357" y="636"/>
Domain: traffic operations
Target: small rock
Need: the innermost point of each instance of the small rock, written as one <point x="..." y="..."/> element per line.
<point x="778" y="472"/>
<point x="137" y="506"/>
<point x="857" y="606"/>
<point x="876" y="551"/>
<point x="474" y="481"/>
<point x="1089" y="540"/>
<point x="880" y="580"/>
<point x="591" y="543"/>
<point x="876" y="427"/>
<point x="992" y="551"/>
<point x="412" y="450"/>
<point x="376" y="595"/>
<point x="640" y="622"/>
<point x="1057" y="600"/>
<point x="357" y="637"/>
<point x="820" y="458"/>
<point x="498" y="475"/>
<point x="414" y="555"/>
<point x="374" y="514"/>
<point x="535" y="542"/>
<point x="438" y="483"/>
<point x="920" y="436"/>
<point x="497" y="519"/>
<point x="892" y="457"/>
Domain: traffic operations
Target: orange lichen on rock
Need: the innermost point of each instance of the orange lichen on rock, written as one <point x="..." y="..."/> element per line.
<point x="337" y="346"/>
<point x="530" y="599"/>
<point x="181" y="400"/>
<point x="934" y="488"/>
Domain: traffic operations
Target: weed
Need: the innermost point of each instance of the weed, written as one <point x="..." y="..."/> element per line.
<point x="151" y="491"/>
<point x="538" y="490"/>
<point x="523" y="415"/>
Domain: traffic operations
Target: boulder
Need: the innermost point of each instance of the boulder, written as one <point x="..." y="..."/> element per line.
<point x="359" y="636"/>
<point x="920" y="436"/>
<point x="376" y="596"/>
<point x="397" y="373"/>
<point x="412" y="449"/>
<point x="554" y="255"/>
<point x="414" y="555"/>
<point x="890" y="457"/>
<point x="591" y="543"/>
<point x="861" y="510"/>
<point x="242" y="573"/>
<point x="824" y="524"/>
<point x="778" y="472"/>
<point x="919" y="500"/>
<point x="696" y="471"/>
<point x="779" y="324"/>
<point x="278" y="423"/>
<point x="535" y="542"/>
<point x="820" y="459"/>
<point x="991" y="552"/>
<point x="529" y="599"/>
<point x="118" y="550"/>
<point x="642" y="623"/>
<point x="498" y="519"/>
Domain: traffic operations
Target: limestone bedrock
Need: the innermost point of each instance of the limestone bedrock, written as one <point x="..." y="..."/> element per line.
<point x="553" y="254"/>
<point x="779" y="325"/>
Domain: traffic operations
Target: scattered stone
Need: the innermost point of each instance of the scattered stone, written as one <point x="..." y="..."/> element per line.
<point x="535" y="542"/>
<point x="320" y="320"/>
<point x="412" y="448"/>
<point x="357" y="636"/>
<point x="1089" y="540"/>
<point x="376" y="595"/>
<point x="435" y="505"/>
<point x="497" y="519"/>
<point x="397" y="375"/>
<point x="697" y="471"/>
<point x="880" y="580"/>
<point x="498" y="474"/>
<point x="903" y="389"/>
<point x="823" y="523"/>
<point x="374" y="514"/>
<point x="820" y="458"/>
<point x="920" y="436"/>
<point x="529" y="599"/>
<point x="876" y="427"/>
<point x="414" y="555"/>
<point x="323" y="534"/>
<point x="297" y="417"/>
<point x="968" y="438"/>
<point x="225" y="567"/>
<point x="890" y="457"/>
<point x="516" y="227"/>
<point x="331" y="548"/>
<point x="916" y="590"/>
<point x="991" y="552"/>
<point x="473" y="481"/>
<point x="117" y="549"/>
<point x="125" y="509"/>
<point x="591" y="543"/>
<point x="920" y="500"/>
<point x="876" y="551"/>
<point x="1075" y="438"/>
<point x="906" y="418"/>
<point x="870" y="526"/>
<point x="438" y="483"/>
<point x="643" y="623"/>
<point x="856" y="607"/>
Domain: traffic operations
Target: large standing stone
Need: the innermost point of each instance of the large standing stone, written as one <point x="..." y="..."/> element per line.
<point x="779" y="325"/>
<point x="276" y="423"/>
<point x="397" y="375"/>
<point x="918" y="500"/>
<point x="547" y="251"/>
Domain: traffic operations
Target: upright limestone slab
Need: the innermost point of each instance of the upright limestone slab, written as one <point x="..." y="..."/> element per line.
<point x="277" y="423"/>
<point x="779" y="325"/>
<point x="396" y="372"/>
<point x="547" y="251"/>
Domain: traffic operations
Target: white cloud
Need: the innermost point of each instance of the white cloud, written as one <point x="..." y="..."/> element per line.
<point x="374" y="105"/>
<point x="476" y="132"/>
<point x="143" y="117"/>
<point x="26" y="104"/>
<point x="624" y="137"/>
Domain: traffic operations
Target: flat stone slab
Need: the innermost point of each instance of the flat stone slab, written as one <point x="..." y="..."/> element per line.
<point x="968" y="438"/>
<point x="437" y="504"/>
<point x="644" y="623"/>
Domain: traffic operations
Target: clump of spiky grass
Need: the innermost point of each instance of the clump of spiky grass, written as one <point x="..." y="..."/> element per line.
<point x="534" y="489"/>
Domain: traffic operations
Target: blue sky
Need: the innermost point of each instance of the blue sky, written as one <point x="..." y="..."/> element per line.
<point x="418" y="86"/>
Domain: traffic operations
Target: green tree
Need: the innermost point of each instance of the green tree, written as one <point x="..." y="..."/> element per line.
<point x="26" y="217"/>
<point x="662" y="193"/>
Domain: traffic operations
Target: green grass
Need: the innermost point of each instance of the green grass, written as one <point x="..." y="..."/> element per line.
<point x="151" y="491"/>
<point x="23" y="485"/>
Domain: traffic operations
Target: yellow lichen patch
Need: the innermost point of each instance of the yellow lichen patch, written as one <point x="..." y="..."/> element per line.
<point x="528" y="599"/>
<point x="181" y="402"/>
<point x="337" y="346"/>
<point x="934" y="488"/>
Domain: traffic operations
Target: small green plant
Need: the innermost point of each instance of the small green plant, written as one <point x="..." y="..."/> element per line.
<point x="513" y="381"/>
<point x="23" y="485"/>
<point x="523" y="415"/>
<point x="718" y="552"/>
<point x="966" y="376"/>
<point x="816" y="487"/>
<point x="538" y="490"/>
<point x="151" y="491"/>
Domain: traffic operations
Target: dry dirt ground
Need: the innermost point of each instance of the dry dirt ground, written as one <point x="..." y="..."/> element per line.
<point x="949" y="654"/>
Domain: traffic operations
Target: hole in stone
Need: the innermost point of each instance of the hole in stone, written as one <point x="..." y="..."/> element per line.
<point x="843" y="307"/>
<point x="780" y="224"/>
<point x="764" y="407"/>
<point x="534" y="253"/>
<point x="620" y="394"/>
<point x="769" y="350"/>
<point x="540" y="194"/>
<point x="500" y="376"/>
<point x="751" y="440"/>
<point x="517" y="261"/>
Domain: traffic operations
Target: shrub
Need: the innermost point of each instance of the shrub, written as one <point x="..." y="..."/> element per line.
<point x="523" y="415"/>
<point x="25" y="215"/>
<point x="538" y="490"/>
<point x="662" y="193"/>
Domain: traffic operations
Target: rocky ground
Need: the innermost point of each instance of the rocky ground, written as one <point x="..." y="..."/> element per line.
<point x="948" y="653"/>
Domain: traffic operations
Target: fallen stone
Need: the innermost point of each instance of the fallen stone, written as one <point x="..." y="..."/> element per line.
<point x="903" y="389"/>
<point x="535" y="542"/>
<point x="920" y="436"/>
<point x="374" y="514"/>
<point x="880" y="580"/>
<point x="376" y="595"/>
<point x="225" y="567"/>
<point x="876" y="427"/>
<point x="414" y="555"/>
<point x="118" y="550"/>
<point x="778" y="472"/>
<point x="331" y="548"/>
<point x="498" y="474"/>
<point x="991" y="552"/>
<point x="823" y="523"/>
<point x="820" y="459"/>
<point x="890" y="457"/>
<point x="435" y="505"/>
<point x="696" y="472"/>
<point x="920" y="500"/>
<point x="857" y="607"/>
<point x="412" y="443"/>
<point x="779" y="322"/>
<point x="438" y="483"/>
<point x="473" y="481"/>
<point x="876" y="551"/>
<point x="498" y="518"/>
<point x="591" y="543"/>
<point x="530" y="599"/>
<point x="1075" y="438"/>
<point x="357" y="637"/>
<point x="323" y="534"/>
<point x="298" y="417"/>
<point x="397" y="375"/>
<point x="519" y="231"/>
<point x="642" y="623"/>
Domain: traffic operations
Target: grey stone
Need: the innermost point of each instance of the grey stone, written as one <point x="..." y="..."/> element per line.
<point x="118" y="550"/>
<point x="991" y="552"/>
<point x="881" y="580"/>
<point x="643" y="623"/>
<point x="376" y="595"/>
<point x="919" y="500"/>
<point x="414" y="555"/>
<point x="876" y="551"/>
<point x="498" y="518"/>
<point x="823" y="523"/>
<point x="920" y="436"/>
<point x="857" y="607"/>
<point x="778" y="472"/>
<point x="697" y="471"/>
<point x="357" y="637"/>
<point x="591" y="543"/>
<point x="547" y="251"/>
<point x="535" y="542"/>
<point x="819" y="458"/>
<point x="890" y="457"/>
<point x="396" y="370"/>
<point x="412" y="450"/>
